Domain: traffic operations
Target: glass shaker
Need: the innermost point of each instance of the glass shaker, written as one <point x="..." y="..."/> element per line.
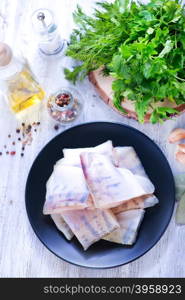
<point x="49" y="40"/>
<point x="17" y="81"/>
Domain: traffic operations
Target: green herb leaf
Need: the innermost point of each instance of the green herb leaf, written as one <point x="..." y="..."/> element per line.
<point x="141" y="45"/>
<point x="162" y="113"/>
<point x="167" y="48"/>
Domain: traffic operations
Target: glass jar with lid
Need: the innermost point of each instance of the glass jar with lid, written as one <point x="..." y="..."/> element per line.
<point x="18" y="84"/>
<point x="64" y="106"/>
<point x="46" y="29"/>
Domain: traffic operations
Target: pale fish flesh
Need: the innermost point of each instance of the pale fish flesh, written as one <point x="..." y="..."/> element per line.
<point x="108" y="186"/>
<point x="129" y="222"/>
<point x="89" y="226"/>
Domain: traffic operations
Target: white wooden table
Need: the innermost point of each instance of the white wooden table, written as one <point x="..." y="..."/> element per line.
<point x="21" y="253"/>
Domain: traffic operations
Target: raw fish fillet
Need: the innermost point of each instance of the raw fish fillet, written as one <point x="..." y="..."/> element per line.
<point x="139" y="202"/>
<point x="146" y="184"/>
<point x="62" y="226"/>
<point x="129" y="222"/>
<point x="126" y="157"/>
<point x="73" y="155"/>
<point x="143" y="181"/>
<point x="89" y="226"/>
<point x="66" y="189"/>
<point x="108" y="186"/>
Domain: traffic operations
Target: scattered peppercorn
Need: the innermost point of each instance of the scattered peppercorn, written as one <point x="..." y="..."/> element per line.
<point x="26" y="137"/>
<point x="28" y="129"/>
<point x="56" y="127"/>
<point x="12" y="153"/>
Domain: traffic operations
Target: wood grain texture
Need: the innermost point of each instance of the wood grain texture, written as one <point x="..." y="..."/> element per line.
<point x="21" y="253"/>
<point x="103" y="86"/>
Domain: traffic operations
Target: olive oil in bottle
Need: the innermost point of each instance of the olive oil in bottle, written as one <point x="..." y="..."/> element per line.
<point x="19" y="84"/>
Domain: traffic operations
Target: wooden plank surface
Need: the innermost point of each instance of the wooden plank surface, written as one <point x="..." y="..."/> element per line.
<point x="21" y="253"/>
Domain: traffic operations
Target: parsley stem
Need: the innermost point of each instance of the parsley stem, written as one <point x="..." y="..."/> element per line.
<point x="179" y="78"/>
<point x="130" y="58"/>
<point x="175" y="41"/>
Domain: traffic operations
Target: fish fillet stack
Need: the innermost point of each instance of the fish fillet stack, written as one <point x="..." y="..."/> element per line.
<point x="99" y="193"/>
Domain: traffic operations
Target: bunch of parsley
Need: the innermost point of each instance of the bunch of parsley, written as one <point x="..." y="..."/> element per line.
<point x="141" y="45"/>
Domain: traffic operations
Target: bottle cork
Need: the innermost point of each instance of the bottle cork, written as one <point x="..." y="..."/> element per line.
<point x="5" y="54"/>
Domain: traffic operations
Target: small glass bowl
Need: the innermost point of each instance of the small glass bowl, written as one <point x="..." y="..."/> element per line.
<point x="64" y="106"/>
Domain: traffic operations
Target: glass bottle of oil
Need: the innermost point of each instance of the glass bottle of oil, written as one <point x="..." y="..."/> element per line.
<point x="18" y="82"/>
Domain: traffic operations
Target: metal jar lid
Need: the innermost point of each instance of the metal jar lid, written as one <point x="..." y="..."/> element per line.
<point x="42" y="20"/>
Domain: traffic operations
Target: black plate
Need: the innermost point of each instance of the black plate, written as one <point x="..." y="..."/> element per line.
<point x="102" y="254"/>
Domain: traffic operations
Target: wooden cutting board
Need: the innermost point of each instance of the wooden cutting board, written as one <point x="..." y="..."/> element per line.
<point x="103" y="85"/>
